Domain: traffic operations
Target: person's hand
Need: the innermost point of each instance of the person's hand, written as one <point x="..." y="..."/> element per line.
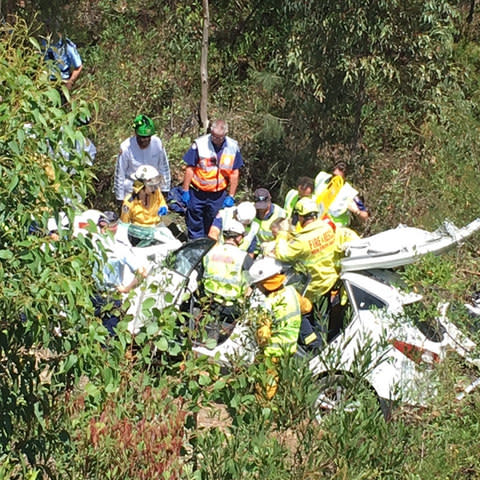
<point x="229" y="201"/>
<point x="162" y="211"/>
<point x="186" y="197"/>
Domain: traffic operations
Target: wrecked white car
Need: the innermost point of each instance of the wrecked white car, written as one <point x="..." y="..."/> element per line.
<point x="375" y="327"/>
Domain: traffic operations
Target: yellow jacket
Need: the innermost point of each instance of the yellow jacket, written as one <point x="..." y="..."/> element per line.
<point x="314" y="247"/>
<point x="281" y="332"/>
<point x="133" y="210"/>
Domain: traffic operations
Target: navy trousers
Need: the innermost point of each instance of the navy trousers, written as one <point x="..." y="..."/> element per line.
<point x="201" y="210"/>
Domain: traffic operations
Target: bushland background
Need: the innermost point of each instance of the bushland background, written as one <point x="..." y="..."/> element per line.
<point x="390" y="87"/>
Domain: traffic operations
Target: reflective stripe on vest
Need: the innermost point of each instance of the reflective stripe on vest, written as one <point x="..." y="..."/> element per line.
<point x="211" y="174"/>
<point x="250" y="234"/>
<point x="286" y="321"/>
<point x="291" y="199"/>
<point x="264" y="233"/>
<point x="338" y="209"/>
<point x="223" y="276"/>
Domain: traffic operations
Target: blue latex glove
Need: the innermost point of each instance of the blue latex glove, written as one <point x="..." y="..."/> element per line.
<point x="229" y="201"/>
<point x="162" y="211"/>
<point x="186" y="197"/>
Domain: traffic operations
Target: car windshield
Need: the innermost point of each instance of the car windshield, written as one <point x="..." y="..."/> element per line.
<point x="186" y="258"/>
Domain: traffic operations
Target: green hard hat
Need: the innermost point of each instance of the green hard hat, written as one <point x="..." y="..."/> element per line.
<point x="143" y="126"/>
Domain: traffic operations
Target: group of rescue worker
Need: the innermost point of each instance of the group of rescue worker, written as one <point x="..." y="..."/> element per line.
<point x="255" y="239"/>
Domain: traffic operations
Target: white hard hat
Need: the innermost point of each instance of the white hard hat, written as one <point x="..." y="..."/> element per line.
<point x="232" y="228"/>
<point x="148" y="175"/>
<point x="263" y="269"/>
<point x="245" y="212"/>
<point x="52" y="225"/>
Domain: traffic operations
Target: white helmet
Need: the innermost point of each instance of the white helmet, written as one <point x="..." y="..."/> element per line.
<point x="232" y="228"/>
<point x="148" y="175"/>
<point x="263" y="269"/>
<point x="245" y="212"/>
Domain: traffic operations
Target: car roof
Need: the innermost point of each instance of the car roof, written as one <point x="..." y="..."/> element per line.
<point x="403" y="245"/>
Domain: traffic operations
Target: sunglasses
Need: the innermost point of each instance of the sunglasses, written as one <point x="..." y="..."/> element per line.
<point x="261" y="198"/>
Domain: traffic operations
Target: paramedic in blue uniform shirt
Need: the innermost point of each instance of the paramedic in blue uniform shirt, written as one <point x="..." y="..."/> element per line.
<point x="66" y="58"/>
<point x="211" y="178"/>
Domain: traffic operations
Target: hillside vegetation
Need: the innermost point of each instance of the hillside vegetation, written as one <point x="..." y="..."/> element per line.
<point x="390" y="87"/>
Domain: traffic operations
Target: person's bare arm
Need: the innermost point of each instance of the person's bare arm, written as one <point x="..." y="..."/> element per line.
<point x="361" y="214"/>
<point x="140" y="274"/>
<point x="187" y="178"/>
<point x="232" y="187"/>
<point x="73" y="77"/>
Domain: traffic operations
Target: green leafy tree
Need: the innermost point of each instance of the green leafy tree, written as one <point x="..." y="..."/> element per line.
<point x="48" y="336"/>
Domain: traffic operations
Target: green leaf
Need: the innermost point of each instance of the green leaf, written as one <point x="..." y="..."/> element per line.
<point x="92" y="390"/>
<point x="53" y="96"/>
<point x="21" y="136"/>
<point x="35" y="43"/>
<point x="152" y="328"/>
<point x="162" y="344"/>
<point x="13" y="146"/>
<point x="39" y="415"/>
<point x="70" y="361"/>
<point x="219" y="384"/>
<point x="148" y="304"/>
<point x="6" y="254"/>
<point x="111" y="388"/>
<point x="211" y="343"/>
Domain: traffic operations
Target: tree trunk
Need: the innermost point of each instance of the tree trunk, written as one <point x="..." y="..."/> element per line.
<point x="472" y="10"/>
<point x="204" y="68"/>
<point x="357" y="126"/>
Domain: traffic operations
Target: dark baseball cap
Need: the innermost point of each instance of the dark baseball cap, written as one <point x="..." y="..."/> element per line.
<point x="262" y="198"/>
<point x="107" y="218"/>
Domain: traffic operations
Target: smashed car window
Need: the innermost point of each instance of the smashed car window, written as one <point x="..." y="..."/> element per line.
<point x="424" y="317"/>
<point x="186" y="259"/>
<point x="366" y="301"/>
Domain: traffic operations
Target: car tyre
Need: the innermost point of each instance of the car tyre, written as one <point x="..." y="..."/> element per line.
<point x="340" y="391"/>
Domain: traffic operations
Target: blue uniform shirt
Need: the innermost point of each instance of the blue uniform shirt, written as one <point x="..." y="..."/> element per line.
<point x="65" y="55"/>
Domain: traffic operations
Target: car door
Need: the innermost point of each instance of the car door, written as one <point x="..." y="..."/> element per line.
<point x="171" y="283"/>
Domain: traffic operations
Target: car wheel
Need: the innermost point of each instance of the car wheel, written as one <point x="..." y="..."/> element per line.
<point x="341" y="392"/>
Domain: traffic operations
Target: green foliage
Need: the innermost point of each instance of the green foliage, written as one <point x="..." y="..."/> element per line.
<point x="391" y="88"/>
<point x="138" y="433"/>
<point x="48" y="336"/>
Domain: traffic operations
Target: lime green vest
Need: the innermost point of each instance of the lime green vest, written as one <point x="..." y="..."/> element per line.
<point x="291" y="199"/>
<point x="264" y="233"/>
<point x="286" y="321"/>
<point x="223" y="276"/>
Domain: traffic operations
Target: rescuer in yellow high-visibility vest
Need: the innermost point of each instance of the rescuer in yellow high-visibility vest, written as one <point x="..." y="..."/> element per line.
<point x="267" y="213"/>
<point x="314" y="247"/>
<point x="305" y="188"/>
<point x="224" y="276"/>
<point x="279" y="322"/>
